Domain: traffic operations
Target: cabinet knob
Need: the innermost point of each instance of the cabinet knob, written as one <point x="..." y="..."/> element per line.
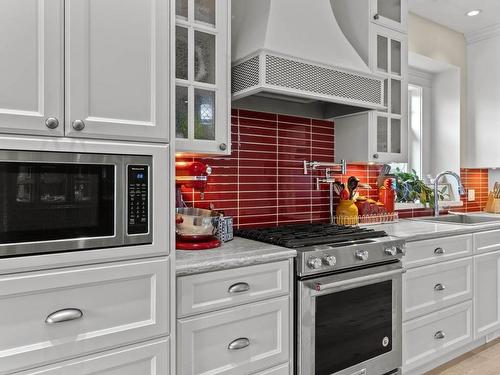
<point x="223" y="147"/>
<point x="78" y="125"/>
<point x="439" y="251"/>
<point x="238" y="344"/>
<point x="51" y="123"/>
<point x="64" y="315"/>
<point x="375" y="156"/>
<point x="439" y="287"/>
<point x="376" y="16"/>
<point x="439" y="335"/>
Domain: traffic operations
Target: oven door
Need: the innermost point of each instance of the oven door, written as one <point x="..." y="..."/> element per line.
<point x="52" y="201"/>
<point x="350" y="323"/>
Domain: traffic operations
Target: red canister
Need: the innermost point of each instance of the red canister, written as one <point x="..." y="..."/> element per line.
<point x="386" y="195"/>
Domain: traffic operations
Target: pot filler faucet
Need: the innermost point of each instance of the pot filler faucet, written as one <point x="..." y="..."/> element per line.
<point x="461" y="189"/>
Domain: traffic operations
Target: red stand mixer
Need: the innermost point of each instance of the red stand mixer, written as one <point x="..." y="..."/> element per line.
<point x="195" y="227"/>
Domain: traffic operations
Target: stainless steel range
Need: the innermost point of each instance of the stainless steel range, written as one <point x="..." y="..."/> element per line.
<point x="347" y="300"/>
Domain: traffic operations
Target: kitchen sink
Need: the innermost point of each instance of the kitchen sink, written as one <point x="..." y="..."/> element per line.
<point x="460" y="219"/>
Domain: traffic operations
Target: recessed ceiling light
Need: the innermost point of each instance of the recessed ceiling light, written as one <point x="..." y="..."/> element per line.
<point x="474" y="12"/>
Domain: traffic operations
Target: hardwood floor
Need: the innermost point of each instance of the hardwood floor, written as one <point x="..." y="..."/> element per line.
<point x="484" y="360"/>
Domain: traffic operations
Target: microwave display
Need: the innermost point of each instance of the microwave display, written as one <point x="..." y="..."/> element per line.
<point x="137" y="199"/>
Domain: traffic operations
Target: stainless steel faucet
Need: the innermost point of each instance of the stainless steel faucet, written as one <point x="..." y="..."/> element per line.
<point x="461" y="189"/>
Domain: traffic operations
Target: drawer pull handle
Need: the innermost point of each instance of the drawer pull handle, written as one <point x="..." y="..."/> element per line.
<point x="439" y="287"/>
<point x="64" y="315"/>
<point x="239" y="288"/>
<point x="439" y="251"/>
<point x="238" y="344"/>
<point x="439" y="335"/>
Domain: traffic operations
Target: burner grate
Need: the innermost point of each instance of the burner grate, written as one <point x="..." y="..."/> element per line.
<point x="295" y="236"/>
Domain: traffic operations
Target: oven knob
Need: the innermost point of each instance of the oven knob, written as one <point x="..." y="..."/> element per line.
<point x="362" y="255"/>
<point x="392" y="251"/>
<point x="400" y="250"/>
<point x="314" y="263"/>
<point x="329" y="260"/>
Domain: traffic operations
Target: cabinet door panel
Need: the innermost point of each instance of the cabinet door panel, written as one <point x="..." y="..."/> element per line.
<point x="117" y="75"/>
<point x="486" y="293"/>
<point x="31" y="66"/>
<point x="390" y="13"/>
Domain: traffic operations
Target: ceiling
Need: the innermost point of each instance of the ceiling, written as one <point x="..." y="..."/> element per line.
<point x="451" y="13"/>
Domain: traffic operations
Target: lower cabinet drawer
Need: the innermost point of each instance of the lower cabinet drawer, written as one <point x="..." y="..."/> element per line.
<point x="236" y="341"/>
<point x="421" y="253"/>
<point x="53" y="315"/>
<point x="431" y="288"/>
<point x="145" y="359"/>
<point x="433" y="335"/>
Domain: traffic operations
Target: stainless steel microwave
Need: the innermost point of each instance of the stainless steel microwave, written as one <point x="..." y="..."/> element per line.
<point x="57" y="201"/>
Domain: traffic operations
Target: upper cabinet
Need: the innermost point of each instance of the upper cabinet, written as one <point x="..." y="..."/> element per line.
<point x="202" y="82"/>
<point x="381" y="136"/>
<point x="87" y="69"/>
<point x="31" y="67"/>
<point x="390" y="13"/>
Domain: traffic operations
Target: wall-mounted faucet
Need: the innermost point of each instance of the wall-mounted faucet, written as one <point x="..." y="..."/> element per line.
<point x="461" y="189"/>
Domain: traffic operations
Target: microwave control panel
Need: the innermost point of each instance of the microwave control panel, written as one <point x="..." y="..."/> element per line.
<point x="138" y="200"/>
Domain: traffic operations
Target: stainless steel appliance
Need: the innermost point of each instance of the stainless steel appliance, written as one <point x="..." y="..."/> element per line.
<point x="348" y="297"/>
<point x="56" y="201"/>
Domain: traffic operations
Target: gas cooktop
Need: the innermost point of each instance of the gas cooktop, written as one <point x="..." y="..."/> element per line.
<point x="325" y="248"/>
<point x="296" y="236"/>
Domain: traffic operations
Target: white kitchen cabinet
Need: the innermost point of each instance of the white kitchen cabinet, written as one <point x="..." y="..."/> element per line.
<point x="31" y="67"/>
<point x="239" y="340"/>
<point x="91" y="308"/>
<point x="432" y="336"/>
<point x="87" y="69"/>
<point x="144" y="359"/>
<point x="376" y="136"/>
<point x="390" y="13"/>
<point x="202" y="76"/>
<point x="117" y="76"/>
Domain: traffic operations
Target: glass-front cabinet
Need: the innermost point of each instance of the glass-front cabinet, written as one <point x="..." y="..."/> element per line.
<point x="390" y="60"/>
<point x="202" y="67"/>
<point x="390" y="13"/>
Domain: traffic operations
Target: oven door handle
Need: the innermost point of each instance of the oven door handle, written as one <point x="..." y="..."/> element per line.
<point x="319" y="286"/>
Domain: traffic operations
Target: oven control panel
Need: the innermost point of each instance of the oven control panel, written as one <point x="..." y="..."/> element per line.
<point x="138" y="198"/>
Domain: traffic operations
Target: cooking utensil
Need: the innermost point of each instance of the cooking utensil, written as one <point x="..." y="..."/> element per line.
<point x="195" y="224"/>
<point x="352" y="185"/>
<point x="338" y="187"/>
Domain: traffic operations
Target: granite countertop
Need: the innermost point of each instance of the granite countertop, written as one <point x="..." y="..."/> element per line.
<point x="239" y="252"/>
<point x="415" y="230"/>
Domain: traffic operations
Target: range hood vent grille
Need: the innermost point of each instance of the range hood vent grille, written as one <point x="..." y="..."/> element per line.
<point x="288" y="76"/>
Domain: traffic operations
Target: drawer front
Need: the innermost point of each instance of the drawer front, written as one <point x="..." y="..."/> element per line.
<point x="431" y="336"/>
<point x="145" y="359"/>
<point x="283" y="369"/>
<point x="257" y="333"/>
<point x="121" y="303"/>
<point x="215" y="290"/>
<point x="430" y="288"/>
<point x="486" y="242"/>
<point x="421" y="253"/>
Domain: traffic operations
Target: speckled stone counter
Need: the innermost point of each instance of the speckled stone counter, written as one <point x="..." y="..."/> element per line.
<point x="239" y="252"/>
<point x="414" y="230"/>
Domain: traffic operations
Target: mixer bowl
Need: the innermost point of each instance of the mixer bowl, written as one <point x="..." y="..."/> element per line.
<point x="195" y="224"/>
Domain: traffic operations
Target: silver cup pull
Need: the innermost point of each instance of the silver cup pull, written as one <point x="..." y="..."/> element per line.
<point x="439" y="335"/>
<point x="238" y="344"/>
<point x="51" y="123"/>
<point x="239" y="288"/>
<point x="78" y="125"/>
<point x="64" y="315"/>
<point x="439" y="251"/>
<point x="439" y="287"/>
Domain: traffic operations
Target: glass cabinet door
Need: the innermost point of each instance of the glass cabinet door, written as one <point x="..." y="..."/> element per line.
<point x="201" y="66"/>
<point x="390" y="13"/>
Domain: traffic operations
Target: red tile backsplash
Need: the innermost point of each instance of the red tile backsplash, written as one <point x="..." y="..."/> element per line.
<point x="262" y="182"/>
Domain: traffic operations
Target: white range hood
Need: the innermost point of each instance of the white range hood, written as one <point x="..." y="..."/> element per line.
<point x="295" y="49"/>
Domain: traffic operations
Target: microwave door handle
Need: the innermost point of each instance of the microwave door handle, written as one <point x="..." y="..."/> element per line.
<point x="319" y="287"/>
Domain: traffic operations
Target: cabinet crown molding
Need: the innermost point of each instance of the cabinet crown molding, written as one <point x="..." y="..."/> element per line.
<point x="483" y="34"/>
